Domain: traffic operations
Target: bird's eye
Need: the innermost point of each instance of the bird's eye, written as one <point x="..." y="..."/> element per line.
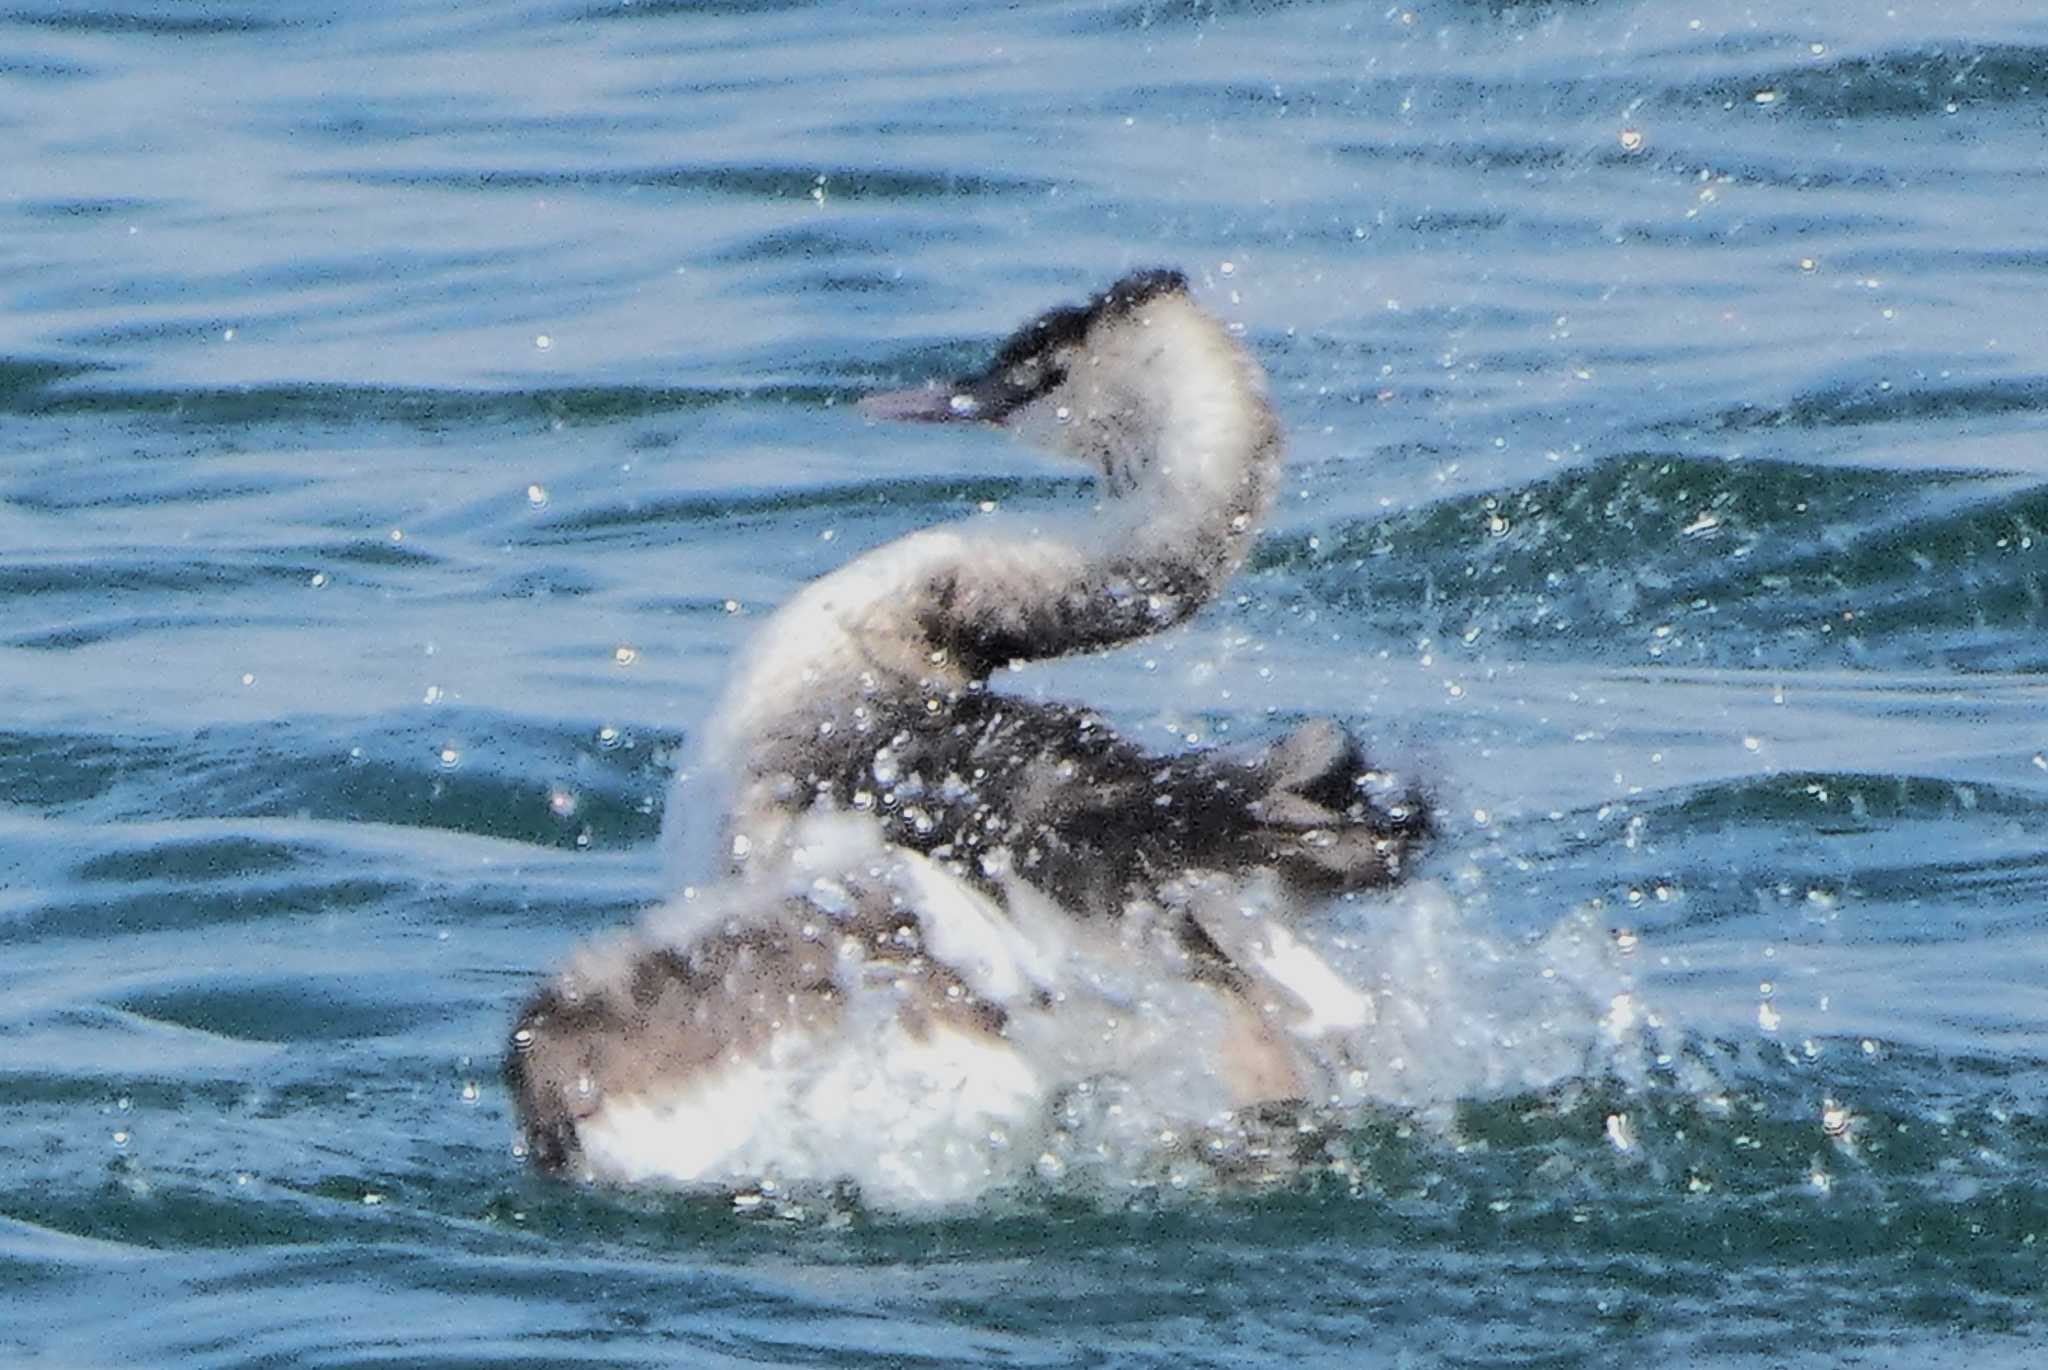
<point x="1024" y="375"/>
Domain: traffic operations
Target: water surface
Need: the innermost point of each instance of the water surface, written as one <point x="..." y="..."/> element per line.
<point x="408" y="408"/>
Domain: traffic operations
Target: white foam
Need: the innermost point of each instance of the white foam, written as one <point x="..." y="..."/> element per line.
<point x="975" y="936"/>
<point x="1462" y="1012"/>
<point x="1333" y="1003"/>
<point x="1403" y="1000"/>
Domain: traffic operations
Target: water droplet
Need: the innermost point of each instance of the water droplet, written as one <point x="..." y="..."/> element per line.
<point x="831" y="897"/>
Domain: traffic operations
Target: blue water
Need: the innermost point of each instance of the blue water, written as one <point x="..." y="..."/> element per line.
<point x="407" y="407"/>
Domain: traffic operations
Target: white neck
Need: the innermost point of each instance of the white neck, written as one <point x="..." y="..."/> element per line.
<point x="936" y="611"/>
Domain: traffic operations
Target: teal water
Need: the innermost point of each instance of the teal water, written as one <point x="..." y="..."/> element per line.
<point x="405" y="408"/>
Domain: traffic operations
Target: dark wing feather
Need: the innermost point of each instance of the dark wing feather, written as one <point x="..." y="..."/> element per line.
<point x="1049" y="792"/>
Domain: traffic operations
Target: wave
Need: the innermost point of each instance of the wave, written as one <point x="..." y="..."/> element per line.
<point x="733" y="512"/>
<point x="1899" y="84"/>
<point x="147" y="20"/>
<point x="1693" y="561"/>
<point x="32" y="388"/>
<point x="598" y="786"/>
<point x="748" y="181"/>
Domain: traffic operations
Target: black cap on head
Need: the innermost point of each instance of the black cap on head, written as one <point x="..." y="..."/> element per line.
<point x="1070" y="323"/>
<point x="1140" y="287"/>
<point x="1023" y="369"/>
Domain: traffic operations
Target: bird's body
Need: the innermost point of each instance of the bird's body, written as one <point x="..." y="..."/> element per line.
<point x="942" y="907"/>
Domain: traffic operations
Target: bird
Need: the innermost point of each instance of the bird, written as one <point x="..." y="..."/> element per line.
<point x="930" y="894"/>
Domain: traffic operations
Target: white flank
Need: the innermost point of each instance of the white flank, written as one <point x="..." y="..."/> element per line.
<point x="908" y="1118"/>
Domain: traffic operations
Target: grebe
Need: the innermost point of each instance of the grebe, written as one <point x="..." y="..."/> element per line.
<point x="933" y="893"/>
